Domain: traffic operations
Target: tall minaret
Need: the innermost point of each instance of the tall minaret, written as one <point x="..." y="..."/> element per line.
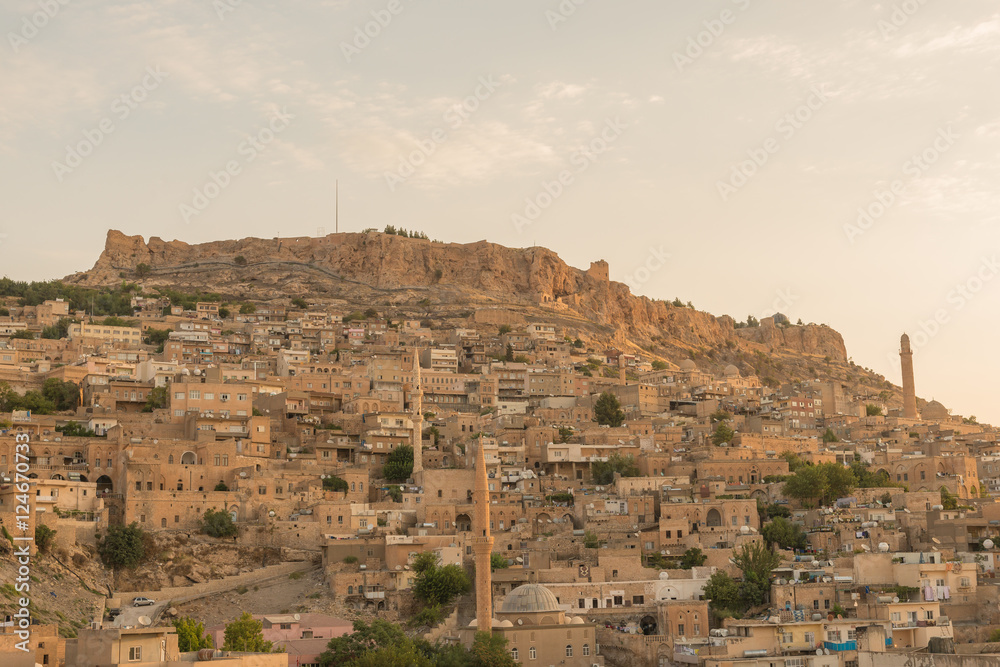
<point x="482" y="545"/>
<point x="417" y="398"/>
<point x="909" y="392"/>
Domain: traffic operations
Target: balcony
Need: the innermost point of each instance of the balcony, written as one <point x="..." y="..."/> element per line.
<point x="375" y="595"/>
<point x="841" y="646"/>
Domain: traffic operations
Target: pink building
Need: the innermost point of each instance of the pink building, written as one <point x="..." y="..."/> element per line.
<point x="304" y="636"/>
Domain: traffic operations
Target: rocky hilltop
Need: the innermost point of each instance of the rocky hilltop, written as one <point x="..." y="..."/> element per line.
<point x="484" y="283"/>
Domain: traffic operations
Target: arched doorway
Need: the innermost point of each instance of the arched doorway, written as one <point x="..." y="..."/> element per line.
<point x="104" y="484"/>
<point x="463" y="523"/>
<point x="714" y="518"/>
<point x="188" y="458"/>
<point x="648" y="625"/>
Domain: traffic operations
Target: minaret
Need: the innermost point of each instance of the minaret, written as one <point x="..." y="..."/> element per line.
<point x="909" y="392"/>
<point x="482" y="545"/>
<point x="417" y="398"/>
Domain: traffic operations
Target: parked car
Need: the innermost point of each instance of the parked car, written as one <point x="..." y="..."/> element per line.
<point x="143" y="602"/>
<point x="114" y="613"/>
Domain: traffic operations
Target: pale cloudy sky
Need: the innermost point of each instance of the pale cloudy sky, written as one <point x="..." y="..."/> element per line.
<point x="739" y="137"/>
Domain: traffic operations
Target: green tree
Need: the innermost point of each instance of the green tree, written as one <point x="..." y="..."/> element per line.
<point x="157" y="337"/>
<point x="498" y="562"/>
<point x="490" y="650"/>
<point x="399" y="464"/>
<point x="221" y="486"/>
<point x="43" y="537"/>
<point x="720" y="415"/>
<point x="693" y="557"/>
<point x="509" y="353"/>
<point x="994" y="636"/>
<point x="218" y="523"/>
<point x="784" y="533"/>
<point x="123" y="547"/>
<point x="74" y="430"/>
<point x="23" y="334"/>
<point x="873" y="410"/>
<point x="830" y="436"/>
<point x="246" y="635"/>
<point x="504" y="329"/>
<point x="439" y="584"/>
<point x="240" y="260"/>
<point x="603" y="472"/>
<point x="142" y="270"/>
<point x="659" y="365"/>
<point x="191" y="635"/>
<point x="807" y="484"/>
<point x="591" y="540"/>
<point x="247" y="309"/>
<point x="156" y="399"/>
<point x="722" y="434"/>
<point x="58" y="330"/>
<point x="299" y="302"/>
<point x="64" y="395"/>
<point x="224" y="314"/>
<point x="794" y="461"/>
<point x="840" y="481"/>
<point x="948" y="501"/>
<point x="756" y="561"/>
<point x="334" y="483"/>
<point x="608" y="410"/>
<point x="723" y="592"/>
<point x="565" y="433"/>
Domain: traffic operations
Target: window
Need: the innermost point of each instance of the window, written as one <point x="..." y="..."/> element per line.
<point x="532" y="654"/>
<point x="569" y="650"/>
<point x="586" y="649"/>
<point x="786" y="637"/>
<point x="135" y="653"/>
<point x="513" y="653"/>
<point x="811" y="638"/>
<point x="680" y="628"/>
<point x="194" y="394"/>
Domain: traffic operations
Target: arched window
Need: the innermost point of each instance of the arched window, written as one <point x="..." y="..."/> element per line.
<point x="532" y="653"/>
<point x="586" y="649"/>
<point x="513" y="653"/>
<point x="171" y="459"/>
<point x="350" y="590"/>
<point x="569" y="650"/>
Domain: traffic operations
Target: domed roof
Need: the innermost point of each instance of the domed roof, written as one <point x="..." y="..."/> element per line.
<point x="688" y="365"/>
<point x="934" y="410"/>
<point x="732" y="371"/>
<point x="528" y="599"/>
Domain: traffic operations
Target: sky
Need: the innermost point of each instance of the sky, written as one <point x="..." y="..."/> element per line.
<point x="834" y="160"/>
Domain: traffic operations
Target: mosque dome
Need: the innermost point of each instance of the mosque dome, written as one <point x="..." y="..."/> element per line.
<point x="688" y="365"/>
<point x="529" y="598"/>
<point x="731" y="371"/>
<point x="934" y="410"/>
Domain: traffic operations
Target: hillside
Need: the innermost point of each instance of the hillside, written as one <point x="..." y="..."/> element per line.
<point x="474" y="285"/>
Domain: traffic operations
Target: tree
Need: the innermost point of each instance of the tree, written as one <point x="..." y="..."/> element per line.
<point x="43" y="537"/>
<point x="247" y="309"/>
<point x="437" y="584"/>
<point x="608" y="410"/>
<point x="994" y="636"/>
<point x="191" y="635"/>
<point x="784" y="533"/>
<point x="565" y="433"/>
<point x="58" y="330"/>
<point x="504" y="329"/>
<point x="720" y="415"/>
<point x="756" y="561"/>
<point x="830" y="436"/>
<point x="221" y="486"/>
<point x="123" y="547"/>
<point x="156" y="399"/>
<point x="399" y="464"/>
<point x="873" y="410"/>
<point x="723" y="592"/>
<point x="63" y="395"/>
<point x="603" y="472"/>
<point x="693" y="557"/>
<point x="299" y="302"/>
<point x="223" y="312"/>
<point x="840" y="481"/>
<point x="75" y="430"/>
<point x="807" y="484"/>
<point x="490" y="650"/>
<point x="948" y="501"/>
<point x="794" y="461"/>
<point x="246" y="635"/>
<point x="722" y="434"/>
<point x="23" y="334"/>
<point x="659" y="365"/>
<point x="8" y="397"/>
<point x="591" y="540"/>
<point x="334" y="483"/>
<point x="218" y="523"/>
<point x="240" y="260"/>
<point x="142" y="270"/>
<point x="157" y="337"/>
<point x="509" y="353"/>
<point x="498" y="562"/>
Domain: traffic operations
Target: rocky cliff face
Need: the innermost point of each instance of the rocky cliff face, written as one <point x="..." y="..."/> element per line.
<point x="375" y="268"/>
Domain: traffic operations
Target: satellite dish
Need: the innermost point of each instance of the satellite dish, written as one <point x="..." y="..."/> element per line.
<point x="297" y="617"/>
<point x="520" y="621"/>
<point x="895" y="600"/>
<point x="819" y="651"/>
<point x="145" y="621"/>
<point x="988" y="544"/>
